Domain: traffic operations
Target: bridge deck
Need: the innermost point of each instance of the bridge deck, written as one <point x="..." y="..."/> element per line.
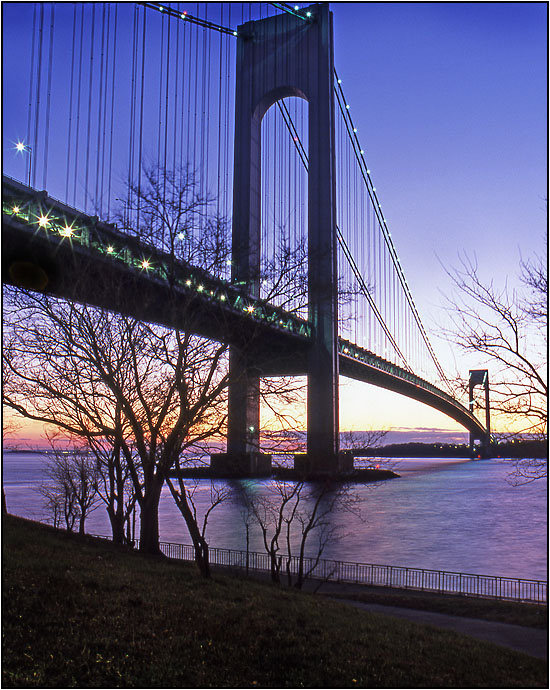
<point x="70" y="254"/>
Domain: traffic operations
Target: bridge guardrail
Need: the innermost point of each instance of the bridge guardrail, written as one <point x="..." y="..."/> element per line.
<point x="400" y="577"/>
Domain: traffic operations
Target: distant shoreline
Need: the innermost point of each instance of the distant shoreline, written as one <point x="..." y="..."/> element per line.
<point x="508" y="449"/>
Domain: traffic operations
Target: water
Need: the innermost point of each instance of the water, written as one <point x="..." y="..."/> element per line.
<point x="444" y="514"/>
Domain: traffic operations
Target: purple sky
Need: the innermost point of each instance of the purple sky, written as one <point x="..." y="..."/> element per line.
<point x="450" y="103"/>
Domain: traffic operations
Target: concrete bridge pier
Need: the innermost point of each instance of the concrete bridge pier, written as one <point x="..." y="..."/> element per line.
<point x="480" y="377"/>
<point x="243" y="455"/>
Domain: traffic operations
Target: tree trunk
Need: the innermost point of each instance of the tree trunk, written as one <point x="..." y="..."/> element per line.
<point x="81" y="524"/>
<point x="117" y="526"/>
<point x="149" y="520"/>
<point x="201" y="557"/>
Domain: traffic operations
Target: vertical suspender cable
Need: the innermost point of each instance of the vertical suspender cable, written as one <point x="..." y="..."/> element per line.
<point x="131" y="146"/>
<point x="100" y="127"/>
<point x="48" y="98"/>
<point x="89" y="108"/>
<point x="105" y="98"/>
<point x="142" y="94"/>
<point x="37" y="97"/>
<point x="69" y="142"/>
<point x="31" y="84"/>
<point x="176" y="99"/>
<point x="161" y="74"/>
<point x="113" y="76"/>
<point x="79" y="91"/>
<point x="166" y="109"/>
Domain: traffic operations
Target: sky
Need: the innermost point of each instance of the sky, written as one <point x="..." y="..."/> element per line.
<point x="450" y="103"/>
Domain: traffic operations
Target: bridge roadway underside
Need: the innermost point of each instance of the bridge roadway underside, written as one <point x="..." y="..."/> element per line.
<point x="73" y="274"/>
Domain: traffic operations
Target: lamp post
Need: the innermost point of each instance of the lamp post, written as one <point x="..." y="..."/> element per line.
<point x="20" y="147"/>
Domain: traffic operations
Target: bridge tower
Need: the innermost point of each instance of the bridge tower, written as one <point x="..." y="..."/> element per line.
<point x="278" y="57"/>
<point x="480" y="377"/>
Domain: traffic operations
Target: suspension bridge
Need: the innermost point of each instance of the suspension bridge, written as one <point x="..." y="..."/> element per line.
<point x="154" y="126"/>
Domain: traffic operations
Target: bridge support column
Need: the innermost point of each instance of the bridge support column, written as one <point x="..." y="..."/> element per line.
<point x="243" y="455"/>
<point x="277" y="57"/>
<point x="480" y="377"/>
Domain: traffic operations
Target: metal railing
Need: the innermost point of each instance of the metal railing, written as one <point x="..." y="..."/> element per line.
<point x="401" y="577"/>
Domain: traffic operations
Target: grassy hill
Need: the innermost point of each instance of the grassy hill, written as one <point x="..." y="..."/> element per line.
<point x="82" y="613"/>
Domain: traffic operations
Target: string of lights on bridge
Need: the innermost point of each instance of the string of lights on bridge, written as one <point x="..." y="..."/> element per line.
<point x="360" y="155"/>
<point x="382" y="317"/>
<point x="36" y="209"/>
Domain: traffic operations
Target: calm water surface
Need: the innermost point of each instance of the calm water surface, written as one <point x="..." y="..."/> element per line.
<point x="444" y="514"/>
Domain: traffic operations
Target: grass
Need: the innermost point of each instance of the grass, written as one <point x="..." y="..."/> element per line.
<point x="82" y="613"/>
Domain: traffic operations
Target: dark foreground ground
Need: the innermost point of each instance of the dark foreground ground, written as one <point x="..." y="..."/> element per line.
<point x="82" y="613"/>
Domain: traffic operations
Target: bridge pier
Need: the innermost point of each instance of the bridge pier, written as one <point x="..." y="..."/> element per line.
<point x="278" y="57"/>
<point x="243" y="455"/>
<point x="480" y="377"/>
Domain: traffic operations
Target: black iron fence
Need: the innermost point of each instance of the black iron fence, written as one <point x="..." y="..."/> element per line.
<point x="423" y="579"/>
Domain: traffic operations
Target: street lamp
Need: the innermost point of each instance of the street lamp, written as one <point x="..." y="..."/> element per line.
<point x="20" y="147"/>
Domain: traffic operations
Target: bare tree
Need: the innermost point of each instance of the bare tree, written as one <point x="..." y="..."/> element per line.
<point x="139" y="395"/>
<point x="507" y="329"/>
<point x="71" y="487"/>
<point x="361" y="440"/>
<point x="148" y="391"/>
<point x="183" y="493"/>
<point x="294" y="518"/>
<point x="114" y="485"/>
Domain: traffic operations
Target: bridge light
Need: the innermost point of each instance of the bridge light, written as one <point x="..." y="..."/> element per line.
<point x="181" y="235"/>
<point x="110" y="249"/>
<point x="43" y="221"/>
<point x="222" y="298"/>
<point x="296" y="7"/>
<point x="308" y="14"/>
<point x="361" y="152"/>
<point x="368" y="171"/>
<point x="251" y="429"/>
<point x="21" y="146"/>
<point x="16" y="209"/>
<point x="67" y="231"/>
<point x="249" y="309"/>
<point x="235" y="33"/>
<point x="339" y="81"/>
<point x="347" y="106"/>
<point x="145" y="264"/>
<point x="200" y="288"/>
<point x="355" y="130"/>
<point x="188" y="282"/>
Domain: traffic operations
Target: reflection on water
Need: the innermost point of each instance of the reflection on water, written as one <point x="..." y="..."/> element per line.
<point x="447" y="514"/>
